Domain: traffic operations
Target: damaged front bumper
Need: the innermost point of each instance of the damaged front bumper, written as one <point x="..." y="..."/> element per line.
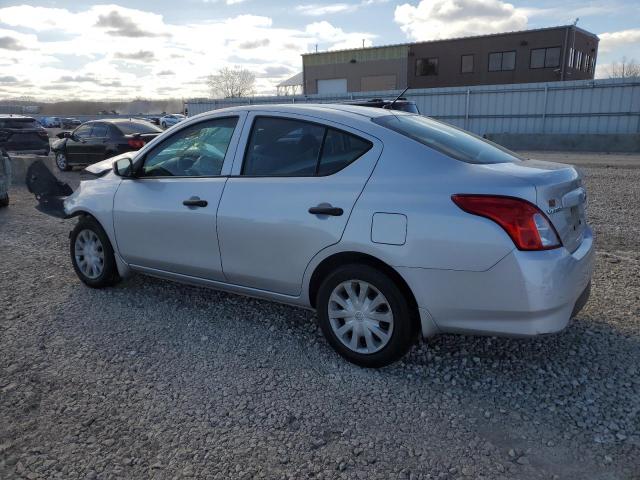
<point x="48" y="190"/>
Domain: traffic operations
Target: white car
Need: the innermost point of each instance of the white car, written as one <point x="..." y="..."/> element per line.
<point x="389" y="224"/>
<point x="170" y="120"/>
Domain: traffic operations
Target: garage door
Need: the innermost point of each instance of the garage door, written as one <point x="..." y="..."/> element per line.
<point x="378" y="82"/>
<point x="335" y="85"/>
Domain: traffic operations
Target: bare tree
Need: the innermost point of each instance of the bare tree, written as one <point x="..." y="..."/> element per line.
<point x="624" y="69"/>
<point x="232" y="83"/>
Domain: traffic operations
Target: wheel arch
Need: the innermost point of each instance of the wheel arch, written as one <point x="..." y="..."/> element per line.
<point x="332" y="262"/>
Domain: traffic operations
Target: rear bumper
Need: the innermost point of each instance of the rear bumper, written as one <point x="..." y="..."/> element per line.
<point x="524" y="294"/>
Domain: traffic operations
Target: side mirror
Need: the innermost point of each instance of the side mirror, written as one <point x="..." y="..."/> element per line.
<point x="64" y="135"/>
<point x="123" y="167"/>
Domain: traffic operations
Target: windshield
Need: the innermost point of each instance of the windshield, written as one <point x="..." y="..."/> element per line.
<point x="129" y="128"/>
<point x="451" y="141"/>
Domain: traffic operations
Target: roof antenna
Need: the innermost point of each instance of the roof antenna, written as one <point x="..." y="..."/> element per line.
<point x="390" y="106"/>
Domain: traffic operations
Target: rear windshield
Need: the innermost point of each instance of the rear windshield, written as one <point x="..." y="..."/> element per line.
<point x="18" y="123"/>
<point x="129" y="128"/>
<point x="405" y="107"/>
<point x="451" y="141"/>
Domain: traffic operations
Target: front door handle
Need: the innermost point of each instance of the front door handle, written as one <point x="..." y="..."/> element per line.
<point x="326" y="210"/>
<point x="195" y="202"/>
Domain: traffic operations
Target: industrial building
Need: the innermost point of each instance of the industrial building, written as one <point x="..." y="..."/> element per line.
<point x="540" y="55"/>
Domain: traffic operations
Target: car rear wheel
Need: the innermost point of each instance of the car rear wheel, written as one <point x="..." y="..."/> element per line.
<point x="365" y="316"/>
<point x="4" y="200"/>
<point x="164" y="125"/>
<point x="61" y="161"/>
<point x="92" y="254"/>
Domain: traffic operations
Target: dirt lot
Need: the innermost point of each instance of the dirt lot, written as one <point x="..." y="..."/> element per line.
<point x="156" y="380"/>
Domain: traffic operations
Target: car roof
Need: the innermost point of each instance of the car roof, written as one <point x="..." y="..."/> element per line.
<point x="118" y="120"/>
<point x="328" y="111"/>
<point x="8" y="116"/>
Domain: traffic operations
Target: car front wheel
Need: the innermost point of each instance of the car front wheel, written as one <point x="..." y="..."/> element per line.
<point x="365" y="316"/>
<point x="92" y="254"/>
<point x="4" y="200"/>
<point x="61" y="161"/>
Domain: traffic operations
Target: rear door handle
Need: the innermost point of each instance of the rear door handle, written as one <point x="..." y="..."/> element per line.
<point x="329" y="210"/>
<point x="195" y="202"/>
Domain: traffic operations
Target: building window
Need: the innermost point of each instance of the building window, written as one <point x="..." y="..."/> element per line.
<point x="502" y="61"/>
<point x="578" y="60"/>
<point x="571" y="54"/>
<point x="545" y="57"/>
<point x="426" y="66"/>
<point x="466" y="64"/>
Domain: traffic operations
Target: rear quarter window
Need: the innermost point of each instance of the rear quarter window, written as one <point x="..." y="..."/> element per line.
<point x="446" y="139"/>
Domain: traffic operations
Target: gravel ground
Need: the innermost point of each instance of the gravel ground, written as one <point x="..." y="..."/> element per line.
<point x="152" y="379"/>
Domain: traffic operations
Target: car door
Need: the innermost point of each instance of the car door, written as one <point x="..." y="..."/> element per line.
<point x="290" y="195"/>
<point x="165" y="218"/>
<point x="97" y="142"/>
<point x="77" y="146"/>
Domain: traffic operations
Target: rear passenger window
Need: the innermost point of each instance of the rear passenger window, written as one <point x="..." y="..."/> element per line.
<point x="339" y="150"/>
<point x="100" y="131"/>
<point x="283" y="147"/>
<point x="287" y="147"/>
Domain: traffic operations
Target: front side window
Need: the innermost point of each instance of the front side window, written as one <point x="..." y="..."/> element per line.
<point x="196" y="151"/>
<point x="502" y="61"/>
<point x="287" y="147"/>
<point x="466" y="64"/>
<point x="446" y="139"/>
<point x="426" y="67"/>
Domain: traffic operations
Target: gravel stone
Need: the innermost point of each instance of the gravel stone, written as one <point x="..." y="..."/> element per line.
<point x="152" y="379"/>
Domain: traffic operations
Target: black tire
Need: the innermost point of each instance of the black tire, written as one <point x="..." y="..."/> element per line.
<point x="4" y="200"/>
<point x="109" y="275"/>
<point x="164" y="126"/>
<point x="62" y="162"/>
<point x="404" y="318"/>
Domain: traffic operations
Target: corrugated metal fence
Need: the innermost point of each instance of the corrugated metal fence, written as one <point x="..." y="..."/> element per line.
<point x="583" y="106"/>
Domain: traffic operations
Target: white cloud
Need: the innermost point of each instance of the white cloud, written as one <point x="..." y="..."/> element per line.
<point x="435" y="19"/>
<point x="316" y="10"/>
<point x="108" y="51"/>
<point x="610" y="41"/>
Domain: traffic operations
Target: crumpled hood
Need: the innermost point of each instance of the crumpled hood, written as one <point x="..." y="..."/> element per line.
<point x="106" y="165"/>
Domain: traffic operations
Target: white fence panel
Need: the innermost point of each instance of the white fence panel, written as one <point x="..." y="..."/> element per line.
<point x="583" y="106"/>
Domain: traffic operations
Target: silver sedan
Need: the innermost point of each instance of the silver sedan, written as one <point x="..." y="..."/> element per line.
<point x="390" y="225"/>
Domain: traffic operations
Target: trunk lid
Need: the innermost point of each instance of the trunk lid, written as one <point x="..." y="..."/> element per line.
<point x="559" y="194"/>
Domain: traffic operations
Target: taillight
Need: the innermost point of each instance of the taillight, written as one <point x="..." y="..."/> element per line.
<point x="136" y="144"/>
<point x="525" y="223"/>
<point x="43" y="133"/>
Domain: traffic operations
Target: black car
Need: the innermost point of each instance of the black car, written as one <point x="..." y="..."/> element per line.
<point x="399" y="104"/>
<point x="98" y="140"/>
<point x="22" y="134"/>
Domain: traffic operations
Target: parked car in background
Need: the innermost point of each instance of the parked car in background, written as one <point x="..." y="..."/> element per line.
<point x="24" y="135"/>
<point x="70" y="122"/>
<point x="5" y="178"/>
<point x="155" y="119"/>
<point x="99" y="139"/>
<point x="170" y="120"/>
<point x="389" y="224"/>
<point x="51" y="122"/>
